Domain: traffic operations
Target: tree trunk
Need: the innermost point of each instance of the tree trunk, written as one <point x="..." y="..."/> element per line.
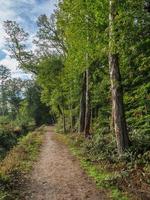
<point x="71" y="119"/>
<point x="119" y="120"/>
<point x="61" y="111"/>
<point x="82" y="105"/>
<point x="70" y="111"/>
<point x="88" y="107"/>
<point x="64" y="123"/>
<point x="64" y="120"/>
<point x="112" y="121"/>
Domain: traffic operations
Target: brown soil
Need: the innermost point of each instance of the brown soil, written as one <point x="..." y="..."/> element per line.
<point x="57" y="175"/>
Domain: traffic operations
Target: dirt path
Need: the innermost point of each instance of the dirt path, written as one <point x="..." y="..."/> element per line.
<point x="58" y="176"/>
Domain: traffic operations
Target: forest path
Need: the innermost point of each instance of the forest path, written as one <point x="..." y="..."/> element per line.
<point x="57" y="175"/>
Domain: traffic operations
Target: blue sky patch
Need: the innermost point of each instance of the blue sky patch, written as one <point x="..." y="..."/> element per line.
<point x="2" y="54"/>
<point x="24" y="12"/>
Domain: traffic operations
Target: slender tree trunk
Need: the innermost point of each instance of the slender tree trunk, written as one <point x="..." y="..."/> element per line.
<point x="53" y="120"/>
<point x="82" y="105"/>
<point x="70" y="110"/>
<point x="71" y="120"/>
<point x="61" y="111"/>
<point x="88" y="107"/>
<point x="119" y="120"/>
<point x="64" y="123"/>
<point x="87" y="94"/>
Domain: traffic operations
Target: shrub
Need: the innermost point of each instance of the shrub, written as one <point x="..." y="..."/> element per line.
<point x="7" y="140"/>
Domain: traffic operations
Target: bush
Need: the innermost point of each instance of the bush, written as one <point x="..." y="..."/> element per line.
<point x="94" y="148"/>
<point x="4" y="120"/>
<point x="7" y="140"/>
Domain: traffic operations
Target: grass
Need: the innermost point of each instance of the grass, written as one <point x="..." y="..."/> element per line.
<point x="101" y="176"/>
<point x="18" y="163"/>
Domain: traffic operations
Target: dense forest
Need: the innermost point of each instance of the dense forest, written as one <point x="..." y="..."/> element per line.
<point x="91" y="78"/>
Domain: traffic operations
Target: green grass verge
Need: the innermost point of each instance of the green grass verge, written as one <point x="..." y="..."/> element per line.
<point x="18" y="163"/>
<point x="96" y="171"/>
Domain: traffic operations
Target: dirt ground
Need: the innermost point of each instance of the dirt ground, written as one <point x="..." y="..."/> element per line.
<point x="57" y="175"/>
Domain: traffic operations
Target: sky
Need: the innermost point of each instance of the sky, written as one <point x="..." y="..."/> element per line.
<point x="24" y="12"/>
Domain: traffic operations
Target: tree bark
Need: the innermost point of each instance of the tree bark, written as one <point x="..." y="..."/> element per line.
<point x="64" y="123"/>
<point x="112" y="121"/>
<point x="119" y="120"/>
<point x="70" y="111"/>
<point x="82" y="105"/>
<point x="61" y="111"/>
<point x="88" y="107"/>
<point x="87" y="81"/>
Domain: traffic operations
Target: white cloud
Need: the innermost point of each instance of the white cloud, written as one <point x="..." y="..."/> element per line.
<point x="25" y="12"/>
<point x="10" y="63"/>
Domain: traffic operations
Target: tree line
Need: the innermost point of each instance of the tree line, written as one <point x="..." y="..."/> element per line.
<point x="21" y="109"/>
<point x="20" y="100"/>
<point x="92" y="65"/>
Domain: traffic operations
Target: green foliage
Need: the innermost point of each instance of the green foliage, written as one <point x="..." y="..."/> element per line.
<point x="19" y="162"/>
<point x="95" y="148"/>
<point x="4" y="120"/>
<point x="16" y="43"/>
<point x="114" y="173"/>
<point x="21" y="101"/>
<point x="4" y="76"/>
<point x="24" y="119"/>
<point x="50" y="79"/>
<point x="7" y="140"/>
<point x="98" y="171"/>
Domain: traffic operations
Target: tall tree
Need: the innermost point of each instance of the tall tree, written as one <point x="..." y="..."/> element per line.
<point x="15" y="87"/>
<point x="82" y="104"/>
<point x="17" y="45"/>
<point x="4" y="76"/>
<point x="49" y="37"/>
<point x="120" y="126"/>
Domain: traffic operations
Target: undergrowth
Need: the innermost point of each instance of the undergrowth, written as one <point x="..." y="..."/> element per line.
<point x="18" y="163"/>
<point x="117" y="175"/>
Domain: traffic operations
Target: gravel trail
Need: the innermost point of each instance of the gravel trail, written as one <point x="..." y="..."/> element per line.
<point x="57" y="175"/>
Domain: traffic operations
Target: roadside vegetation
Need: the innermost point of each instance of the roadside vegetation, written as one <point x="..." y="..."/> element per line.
<point x="21" y="109"/>
<point x="125" y="178"/>
<point x="18" y="163"/>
